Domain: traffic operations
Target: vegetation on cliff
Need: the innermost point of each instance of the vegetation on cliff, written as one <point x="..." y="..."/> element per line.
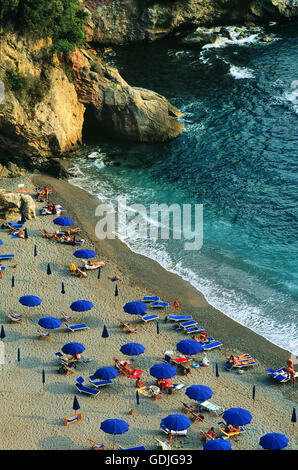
<point x="61" y="20"/>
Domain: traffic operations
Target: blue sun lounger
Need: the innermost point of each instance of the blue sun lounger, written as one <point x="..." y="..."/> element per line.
<point x="83" y="389"/>
<point x="73" y="327"/>
<point x="280" y="374"/>
<point x="159" y="304"/>
<point x="151" y="299"/>
<point x="180" y="318"/>
<point x="6" y="257"/>
<point x="188" y="324"/>
<point x="212" y="345"/>
<point x="99" y="383"/>
<point x="133" y="448"/>
<point x="147" y="318"/>
<point x="194" y="329"/>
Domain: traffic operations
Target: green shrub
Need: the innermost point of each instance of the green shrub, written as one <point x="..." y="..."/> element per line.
<point x="58" y="19"/>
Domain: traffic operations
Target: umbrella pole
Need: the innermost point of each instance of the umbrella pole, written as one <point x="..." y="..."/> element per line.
<point x="113" y="442"/>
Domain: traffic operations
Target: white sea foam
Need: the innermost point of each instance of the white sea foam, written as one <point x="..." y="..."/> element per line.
<point x="241" y="72"/>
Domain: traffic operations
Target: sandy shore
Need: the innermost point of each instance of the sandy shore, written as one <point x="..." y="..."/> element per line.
<point x="33" y="420"/>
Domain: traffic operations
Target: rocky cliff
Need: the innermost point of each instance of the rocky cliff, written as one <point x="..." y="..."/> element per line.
<point x="125" y="21"/>
<point x="46" y="98"/>
<point x="49" y="100"/>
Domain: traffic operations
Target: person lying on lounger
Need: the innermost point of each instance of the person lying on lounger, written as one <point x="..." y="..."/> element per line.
<point x="231" y="429"/>
<point x="212" y="434"/>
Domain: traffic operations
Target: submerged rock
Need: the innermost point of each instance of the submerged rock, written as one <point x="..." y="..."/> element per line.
<point x="202" y="36"/>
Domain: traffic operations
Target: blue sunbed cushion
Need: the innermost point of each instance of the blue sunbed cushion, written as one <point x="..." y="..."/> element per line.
<point x="91" y="391"/>
<point x="150" y="299"/>
<point x="133" y="448"/>
<point x="213" y="345"/>
<point x="180" y="317"/>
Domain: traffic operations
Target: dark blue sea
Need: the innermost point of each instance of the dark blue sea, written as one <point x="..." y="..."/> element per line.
<point x="237" y="156"/>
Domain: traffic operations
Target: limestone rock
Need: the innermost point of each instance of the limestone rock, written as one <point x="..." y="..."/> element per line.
<point x="202" y="36"/>
<point x="13" y="204"/>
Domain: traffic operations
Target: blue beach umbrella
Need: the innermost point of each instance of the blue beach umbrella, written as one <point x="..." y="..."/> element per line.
<point x="138" y="401"/>
<point x="132" y="349"/>
<point x="199" y="393"/>
<point x="73" y="348"/>
<point x="54" y="211"/>
<point x="23" y="218"/>
<point x="30" y="300"/>
<point x="166" y="319"/>
<point x="85" y="254"/>
<point x="81" y="305"/>
<point x="63" y="221"/>
<point x="274" y="441"/>
<point x="216" y="370"/>
<point x="176" y="422"/>
<point x="217" y="444"/>
<point x="114" y="426"/>
<point x="135" y="308"/>
<point x="1" y="242"/>
<point x="105" y="333"/>
<point x="189" y="347"/>
<point x="35" y="250"/>
<point x="237" y="416"/>
<point x="76" y="405"/>
<point x="49" y="271"/>
<point x="105" y="373"/>
<point x="62" y="288"/>
<point x="2" y="334"/>
<point x="163" y="371"/>
<point x="116" y="291"/>
<point x="12" y="283"/>
<point x="98" y="274"/>
<point x="26" y="233"/>
<point x="50" y="323"/>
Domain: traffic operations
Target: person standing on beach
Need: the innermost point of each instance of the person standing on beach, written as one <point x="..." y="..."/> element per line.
<point x="176" y="304"/>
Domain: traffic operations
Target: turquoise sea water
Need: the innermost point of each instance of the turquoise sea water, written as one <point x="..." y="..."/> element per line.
<point x="237" y="156"/>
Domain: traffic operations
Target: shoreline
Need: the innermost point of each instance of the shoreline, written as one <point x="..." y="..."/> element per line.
<point x="235" y="337"/>
<point x="37" y="411"/>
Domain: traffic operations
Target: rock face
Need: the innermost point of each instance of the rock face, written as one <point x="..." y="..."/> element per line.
<point x="125" y="21"/>
<point x="132" y="113"/>
<point x="12" y="205"/>
<point x="51" y="124"/>
<point x="275" y="8"/>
